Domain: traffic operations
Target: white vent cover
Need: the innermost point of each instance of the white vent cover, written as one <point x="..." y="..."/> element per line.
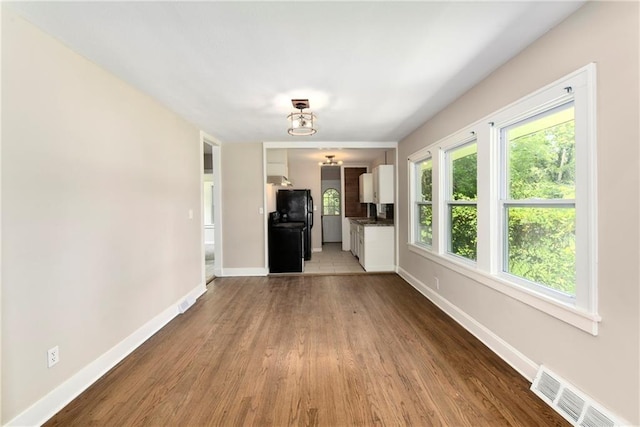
<point x="576" y="407"/>
<point x="185" y="304"/>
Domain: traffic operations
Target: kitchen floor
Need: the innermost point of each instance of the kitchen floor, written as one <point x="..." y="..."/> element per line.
<point x="332" y="259"/>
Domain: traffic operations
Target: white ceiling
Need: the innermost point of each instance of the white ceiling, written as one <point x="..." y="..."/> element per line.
<point x="373" y="71"/>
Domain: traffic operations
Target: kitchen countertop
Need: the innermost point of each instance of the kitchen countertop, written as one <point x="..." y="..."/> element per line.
<point x="372" y="222"/>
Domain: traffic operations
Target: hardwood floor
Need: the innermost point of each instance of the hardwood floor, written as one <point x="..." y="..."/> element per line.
<point x="315" y="351"/>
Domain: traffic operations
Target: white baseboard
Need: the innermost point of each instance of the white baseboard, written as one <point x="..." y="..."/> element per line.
<point x="236" y="272"/>
<point x="518" y="361"/>
<point x="38" y="413"/>
<point x="382" y="269"/>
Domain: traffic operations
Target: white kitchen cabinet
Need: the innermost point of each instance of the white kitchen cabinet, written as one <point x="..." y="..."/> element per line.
<point x="277" y="162"/>
<point x="356" y="233"/>
<point x="377" y="248"/>
<point x="353" y="234"/>
<point x="277" y="169"/>
<point x="366" y="188"/>
<point x="383" y="184"/>
<point x="361" y="244"/>
<point x="359" y="236"/>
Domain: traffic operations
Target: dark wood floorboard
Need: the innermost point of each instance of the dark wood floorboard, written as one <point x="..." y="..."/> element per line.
<point x="310" y="351"/>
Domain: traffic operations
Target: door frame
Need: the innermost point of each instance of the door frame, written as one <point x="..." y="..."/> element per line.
<point x="340" y="190"/>
<point x="320" y="145"/>
<point x="217" y="205"/>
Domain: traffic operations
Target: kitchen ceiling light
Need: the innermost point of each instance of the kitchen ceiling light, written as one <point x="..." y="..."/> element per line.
<point x="301" y="123"/>
<point x="330" y="161"/>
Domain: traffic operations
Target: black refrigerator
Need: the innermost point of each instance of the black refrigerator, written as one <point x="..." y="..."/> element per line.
<point x="297" y="206"/>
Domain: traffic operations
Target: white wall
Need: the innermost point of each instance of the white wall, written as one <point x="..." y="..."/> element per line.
<point x="97" y="181"/>
<point x="606" y="366"/>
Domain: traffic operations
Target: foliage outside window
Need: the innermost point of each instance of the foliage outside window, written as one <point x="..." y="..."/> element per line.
<point x="423" y="205"/>
<point x="538" y="199"/>
<point x="462" y="166"/>
<point x="518" y="200"/>
<point x="331" y="202"/>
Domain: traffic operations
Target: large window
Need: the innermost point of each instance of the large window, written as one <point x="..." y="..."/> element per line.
<point x="538" y="199"/>
<point x="462" y="193"/>
<point x="509" y="200"/>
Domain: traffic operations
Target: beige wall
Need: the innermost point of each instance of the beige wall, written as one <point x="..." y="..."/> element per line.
<point x="97" y="181"/>
<point x="242" y="197"/>
<point x="387" y="158"/>
<point x="605" y="367"/>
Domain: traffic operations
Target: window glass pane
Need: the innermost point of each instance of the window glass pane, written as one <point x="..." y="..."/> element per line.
<point x="541" y="246"/>
<point x="464" y="161"/>
<point x="425" y="224"/>
<point x="464" y="230"/>
<point x="541" y="156"/>
<point x="331" y="202"/>
<point x="424" y="184"/>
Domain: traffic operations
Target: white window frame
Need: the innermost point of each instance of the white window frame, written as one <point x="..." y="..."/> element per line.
<point x="414" y="215"/>
<point x="504" y="201"/>
<point x="448" y="201"/>
<point x="581" y="312"/>
<point x="324" y="206"/>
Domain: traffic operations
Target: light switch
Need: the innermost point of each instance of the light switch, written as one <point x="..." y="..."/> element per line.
<point x="261" y="211"/>
<point x="190" y="213"/>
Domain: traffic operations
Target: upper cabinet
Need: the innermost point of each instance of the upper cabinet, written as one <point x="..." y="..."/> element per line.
<point x="383" y="184"/>
<point x="366" y="188"/>
<point x="277" y="162"/>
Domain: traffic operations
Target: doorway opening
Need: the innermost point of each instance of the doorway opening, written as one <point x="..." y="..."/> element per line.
<point x="331" y="184"/>
<point x="208" y="213"/>
<point x="211" y="219"/>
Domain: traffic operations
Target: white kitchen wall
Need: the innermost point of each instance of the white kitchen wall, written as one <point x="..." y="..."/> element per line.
<point x="605" y="366"/>
<point x="97" y="183"/>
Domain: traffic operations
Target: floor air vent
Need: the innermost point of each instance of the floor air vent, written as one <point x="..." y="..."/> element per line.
<point x="185" y="304"/>
<point x="574" y="406"/>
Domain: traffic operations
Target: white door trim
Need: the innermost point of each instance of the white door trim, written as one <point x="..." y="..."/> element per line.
<point x="217" y="203"/>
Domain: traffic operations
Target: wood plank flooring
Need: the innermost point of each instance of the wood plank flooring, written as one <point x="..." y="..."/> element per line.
<point x="310" y="351"/>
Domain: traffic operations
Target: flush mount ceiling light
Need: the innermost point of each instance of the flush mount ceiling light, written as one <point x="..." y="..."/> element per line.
<point x="301" y="123"/>
<point x="330" y="161"/>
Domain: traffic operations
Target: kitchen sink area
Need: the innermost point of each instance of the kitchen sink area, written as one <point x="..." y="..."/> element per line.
<point x="372" y="242"/>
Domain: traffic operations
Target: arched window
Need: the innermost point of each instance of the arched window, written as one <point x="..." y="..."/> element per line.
<point x="331" y="202"/>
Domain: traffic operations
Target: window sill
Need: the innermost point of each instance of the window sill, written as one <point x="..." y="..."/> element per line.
<point x="580" y="319"/>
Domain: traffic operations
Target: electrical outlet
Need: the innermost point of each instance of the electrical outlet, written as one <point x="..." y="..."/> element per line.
<point x="53" y="356"/>
<point x="436" y="281"/>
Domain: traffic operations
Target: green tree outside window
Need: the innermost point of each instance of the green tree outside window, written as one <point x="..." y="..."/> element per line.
<point x="331" y="202"/>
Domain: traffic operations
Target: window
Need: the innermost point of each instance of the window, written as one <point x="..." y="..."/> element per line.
<point x="462" y="193"/>
<point x="538" y="200"/>
<point x="331" y="202"/>
<point x="423" y="204"/>
<point x="509" y="200"/>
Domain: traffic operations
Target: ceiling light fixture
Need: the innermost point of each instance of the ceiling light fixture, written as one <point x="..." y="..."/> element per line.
<point x="330" y="161"/>
<point x="301" y="123"/>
